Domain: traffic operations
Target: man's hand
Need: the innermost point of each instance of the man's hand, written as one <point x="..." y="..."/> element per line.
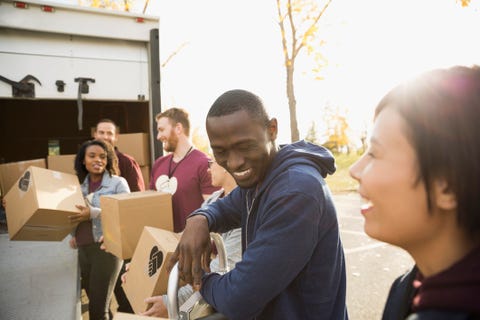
<point x="83" y="215"/>
<point x="193" y="251"/>
<point x="158" y="308"/>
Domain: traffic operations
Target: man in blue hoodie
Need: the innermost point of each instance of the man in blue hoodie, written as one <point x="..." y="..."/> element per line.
<point x="293" y="263"/>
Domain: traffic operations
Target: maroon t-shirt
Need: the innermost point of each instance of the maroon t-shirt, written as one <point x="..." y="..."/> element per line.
<point x="189" y="180"/>
<point x="130" y="170"/>
<point x="83" y="233"/>
<point x="456" y="288"/>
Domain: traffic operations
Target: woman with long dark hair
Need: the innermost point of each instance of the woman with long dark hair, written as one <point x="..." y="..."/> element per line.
<point x="96" y="165"/>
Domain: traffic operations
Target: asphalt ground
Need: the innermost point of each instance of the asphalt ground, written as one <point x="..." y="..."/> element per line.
<point x="371" y="265"/>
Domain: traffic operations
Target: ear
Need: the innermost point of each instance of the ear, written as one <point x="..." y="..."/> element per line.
<point x="272" y="129"/>
<point x="178" y="128"/>
<point x="444" y="197"/>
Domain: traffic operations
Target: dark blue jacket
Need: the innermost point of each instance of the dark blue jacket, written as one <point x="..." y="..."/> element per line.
<point x="293" y="263"/>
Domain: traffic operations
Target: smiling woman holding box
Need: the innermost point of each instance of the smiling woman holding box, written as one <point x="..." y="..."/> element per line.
<point x="96" y="165"/>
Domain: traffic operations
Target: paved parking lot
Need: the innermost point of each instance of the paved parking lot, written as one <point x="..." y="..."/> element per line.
<point x="371" y="265"/>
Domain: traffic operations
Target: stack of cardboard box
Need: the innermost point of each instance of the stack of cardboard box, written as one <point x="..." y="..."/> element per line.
<point x="63" y="163"/>
<point x="137" y="145"/>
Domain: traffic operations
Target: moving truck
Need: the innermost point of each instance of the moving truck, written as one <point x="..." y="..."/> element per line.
<point x="63" y="68"/>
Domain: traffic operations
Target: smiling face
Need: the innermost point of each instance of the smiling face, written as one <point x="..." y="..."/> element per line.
<point x="244" y="147"/>
<point x="106" y="131"/>
<point x="396" y="209"/>
<point x="95" y="160"/>
<point x="166" y="134"/>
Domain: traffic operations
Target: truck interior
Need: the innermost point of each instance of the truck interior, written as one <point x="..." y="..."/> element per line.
<point x="27" y="125"/>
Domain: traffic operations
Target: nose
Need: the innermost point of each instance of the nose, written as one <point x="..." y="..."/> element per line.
<point x="355" y="169"/>
<point x="235" y="161"/>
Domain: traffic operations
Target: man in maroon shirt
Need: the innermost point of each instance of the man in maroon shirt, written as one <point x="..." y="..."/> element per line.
<point x="106" y="130"/>
<point x="183" y="172"/>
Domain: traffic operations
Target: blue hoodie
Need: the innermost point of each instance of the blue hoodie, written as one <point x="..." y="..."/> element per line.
<point x="293" y="263"/>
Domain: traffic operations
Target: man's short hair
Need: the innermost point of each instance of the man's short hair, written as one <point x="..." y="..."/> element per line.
<point x="117" y="128"/>
<point x="236" y="100"/>
<point x="176" y="115"/>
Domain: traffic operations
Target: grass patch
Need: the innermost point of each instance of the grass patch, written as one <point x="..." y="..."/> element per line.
<point x="341" y="181"/>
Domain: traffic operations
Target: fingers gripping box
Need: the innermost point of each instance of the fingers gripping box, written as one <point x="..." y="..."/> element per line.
<point x="147" y="275"/>
<point x="39" y="204"/>
<point x="124" y="216"/>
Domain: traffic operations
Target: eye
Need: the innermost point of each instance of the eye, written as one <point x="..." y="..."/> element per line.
<point x="371" y="153"/>
<point x="247" y="147"/>
<point x="218" y="153"/>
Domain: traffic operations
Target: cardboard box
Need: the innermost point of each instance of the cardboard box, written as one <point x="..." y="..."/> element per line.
<point x="63" y="163"/>
<point x="124" y="216"/>
<point x="146" y="176"/>
<point x="129" y="316"/>
<point x="136" y="145"/>
<point x="147" y="275"/>
<point x="11" y="172"/>
<point x="39" y="204"/>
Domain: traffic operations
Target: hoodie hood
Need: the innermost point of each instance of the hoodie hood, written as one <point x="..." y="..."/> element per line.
<point x="302" y="152"/>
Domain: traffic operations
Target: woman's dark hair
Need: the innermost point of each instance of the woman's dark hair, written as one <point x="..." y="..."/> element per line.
<point x="112" y="160"/>
<point x="236" y="100"/>
<point x="441" y="109"/>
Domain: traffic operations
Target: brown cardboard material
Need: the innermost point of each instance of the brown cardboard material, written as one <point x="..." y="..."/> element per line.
<point x="136" y="145"/>
<point x="146" y="176"/>
<point x="39" y="204"/>
<point x="11" y="172"/>
<point x="129" y="316"/>
<point x="147" y="275"/>
<point x="63" y="163"/>
<point x="124" y="216"/>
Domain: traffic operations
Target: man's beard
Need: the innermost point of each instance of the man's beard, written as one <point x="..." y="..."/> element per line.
<point x="171" y="144"/>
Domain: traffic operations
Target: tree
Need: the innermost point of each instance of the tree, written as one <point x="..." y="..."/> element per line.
<point x="121" y="5"/>
<point x="200" y="141"/>
<point x="298" y="21"/>
<point x="337" y="130"/>
<point x="312" y="134"/>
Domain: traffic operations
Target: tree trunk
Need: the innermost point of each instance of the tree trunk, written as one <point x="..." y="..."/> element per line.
<point x="292" y="105"/>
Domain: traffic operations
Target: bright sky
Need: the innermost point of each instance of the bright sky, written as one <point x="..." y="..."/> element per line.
<point x="370" y="45"/>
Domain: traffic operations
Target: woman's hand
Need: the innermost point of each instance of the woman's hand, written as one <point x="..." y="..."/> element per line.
<point x="83" y="215"/>
<point x="73" y="243"/>
<point x="124" y="275"/>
